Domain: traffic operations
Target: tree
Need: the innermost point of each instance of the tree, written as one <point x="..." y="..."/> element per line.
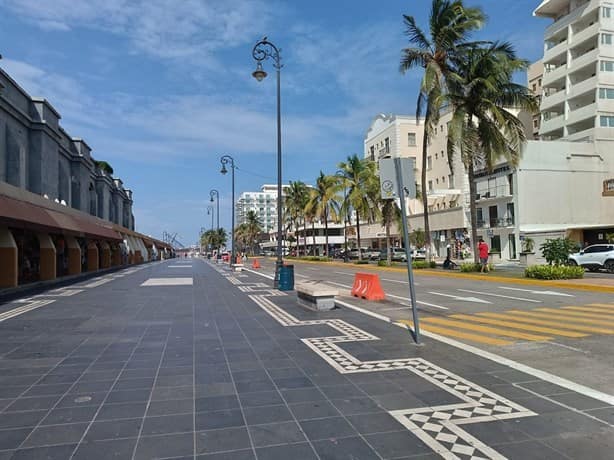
<point x="483" y="130"/>
<point x="253" y="227"/>
<point x="363" y="190"/>
<point x="214" y="238"/>
<point x="324" y="202"/>
<point x="450" y="25"/>
<point x="297" y="197"/>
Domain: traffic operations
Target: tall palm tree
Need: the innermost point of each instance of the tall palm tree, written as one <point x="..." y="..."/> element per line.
<point x="360" y="178"/>
<point x="483" y="130"/>
<point x="297" y="197"/>
<point x="324" y="202"/>
<point x="253" y="228"/>
<point x="450" y="25"/>
<point x="242" y="237"/>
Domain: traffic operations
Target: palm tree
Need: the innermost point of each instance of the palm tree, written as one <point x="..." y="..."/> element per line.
<point x="324" y="202"/>
<point x="297" y="197"/>
<point x="253" y="227"/>
<point x="360" y="178"/>
<point x="242" y="237"/>
<point x="214" y="238"/>
<point x="483" y="129"/>
<point x="450" y="24"/>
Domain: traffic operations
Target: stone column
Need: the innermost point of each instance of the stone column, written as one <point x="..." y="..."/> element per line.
<point x="8" y="255"/>
<point x="116" y="258"/>
<point x="74" y="256"/>
<point x="47" y="257"/>
<point x="92" y="257"/>
<point x="105" y="255"/>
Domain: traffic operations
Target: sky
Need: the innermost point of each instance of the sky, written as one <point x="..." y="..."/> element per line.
<point x="161" y="89"/>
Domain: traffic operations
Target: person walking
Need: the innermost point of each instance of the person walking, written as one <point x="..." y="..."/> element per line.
<point x="483" y="250"/>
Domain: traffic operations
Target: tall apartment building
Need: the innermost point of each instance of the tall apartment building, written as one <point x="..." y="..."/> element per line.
<point x="263" y="203"/>
<point x="578" y="81"/>
<point x="535" y="74"/>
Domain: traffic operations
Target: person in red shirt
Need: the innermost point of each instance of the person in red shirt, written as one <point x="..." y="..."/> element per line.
<point x="483" y="250"/>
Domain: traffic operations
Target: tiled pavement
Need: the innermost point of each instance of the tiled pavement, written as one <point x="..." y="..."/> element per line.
<point x="203" y="371"/>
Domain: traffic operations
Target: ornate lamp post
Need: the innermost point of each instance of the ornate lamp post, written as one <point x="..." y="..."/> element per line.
<point x="226" y="159"/>
<point x="263" y="50"/>
<point x="210" y="211"/>
<point x="341" y="174"/>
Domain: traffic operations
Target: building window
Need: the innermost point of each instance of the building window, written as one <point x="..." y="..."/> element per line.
<point x="606" y="39"/>
<point x="606" y="121"/>
<point x="429" y="162"/>
<point x="435" y="130"/>
<point x="607" y="66"/>
<point x="606" y="12"/>
<point x="430" y="186"/>
<point x="387" y="145"/>
<point x="436" y="155"/>
<point x="606" y="93"/>
<point x="437" y="181"/>
<point x="411" y="139"/>
<point x="451" y="180"/>
<point x="443" y="179"/>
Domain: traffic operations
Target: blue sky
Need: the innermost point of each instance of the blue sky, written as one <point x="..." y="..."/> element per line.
<point x="161" y="89"/>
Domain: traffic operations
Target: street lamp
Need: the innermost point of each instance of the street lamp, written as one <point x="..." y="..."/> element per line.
<point x="216" y="194"/>
<point x="340" y="173"/>
<point x="225" y="160"/>
<point x="210" y="211"/>
<point x="263" y="50"/>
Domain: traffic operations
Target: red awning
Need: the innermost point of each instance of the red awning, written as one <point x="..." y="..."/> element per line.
<point x="27" y="215"/>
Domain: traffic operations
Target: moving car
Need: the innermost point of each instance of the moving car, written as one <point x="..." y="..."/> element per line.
<point x="595" y="257"/>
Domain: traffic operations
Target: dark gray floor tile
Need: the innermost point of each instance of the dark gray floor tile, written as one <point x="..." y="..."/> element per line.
<point x="303" y="395"/>
<point x="606" y="414"/>
<point x="81" y="399"/>
<point x="276" y="433"/>
<point x="530" y="450"/>
<point x="119" y="411"/>
<point x="48" y="390"/>
<point x="252" y="386"/>
<point x="134" y="384"/>
<point x="109" y="449"/>
<point x="114" y="429"/>
<point x="397" y="444"/>
<point x="375" y="423"/>
<point x="219" y="419"/>
<point x="12" y="439"/>
<point x="168" y="424"/>
<point x="60" y="452"/>
<point x="578" y="401"/>
<point x="56" y="434"/>
<point x="70" y="415"/>
<point x="222" y="440"/>
<point x="301" y="451"/>
<point x="171" y="406"/>
<point x="246" y="454"/>
<point x="292" y="383"/>
<point x="260" y="398"/>
<point x="313" y="409"/>
<point x="344" y="448"/>
<point x="342" y="391"/>
<point x="247" y="376"/>
<point x="175" y="380"/>
<point x="165" y="393"/>
<point x="356" y="406"/>
<point x="123" y="396"/>
<point x="214" y="403"/>
<point x="171" y="445"/>
<point x="21" y="419"/>
<point x="267" y="414"/>
<point x="34" y="403"/>
<point x="326" y="428"/>
<point x="215" y="389"/>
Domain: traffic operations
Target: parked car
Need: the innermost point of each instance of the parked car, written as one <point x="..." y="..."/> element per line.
<point x="419" y="254"/>
<point x="365" y="253"/>
<point x="595" y="257"/>
<point x="397" y="255"/>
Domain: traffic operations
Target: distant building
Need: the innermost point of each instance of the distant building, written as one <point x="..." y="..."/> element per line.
<point x="535" y="74"/>
<point x="263" y="203"/>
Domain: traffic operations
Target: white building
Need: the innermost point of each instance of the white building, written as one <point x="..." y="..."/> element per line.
<point x="263" y="203"/>
<point x="578" y="80"/>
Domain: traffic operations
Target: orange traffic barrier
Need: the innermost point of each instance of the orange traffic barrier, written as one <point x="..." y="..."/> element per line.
<point x="256" y="263"/>
<point x="367" y="286"/>
<point x="238" y="260"/>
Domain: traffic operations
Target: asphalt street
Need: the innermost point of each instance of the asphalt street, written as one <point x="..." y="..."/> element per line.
<point x="185" y="359"/>
<point x="567" y="332"/>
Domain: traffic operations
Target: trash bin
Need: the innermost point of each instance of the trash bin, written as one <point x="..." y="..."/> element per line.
<point x="286" y="278"/>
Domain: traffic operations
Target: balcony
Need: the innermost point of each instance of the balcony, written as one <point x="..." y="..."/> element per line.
<point x="552" y="100"/>
<point x="552" y="76"/>
<point x="493" y="193"/>
<point x="590" y="57"/>
<point x="555" y="51"/>
<point x="583" y="113"/>
<point x="585" y="34"/>
<point x="552" y="124"/>
<point x="585" y="135"/>
<point x="499" y="222"/>
<point x="557" y="26"/>
<point x="583" y="87"/>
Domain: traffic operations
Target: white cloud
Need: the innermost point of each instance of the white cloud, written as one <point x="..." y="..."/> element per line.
<point x="161" y="28"/>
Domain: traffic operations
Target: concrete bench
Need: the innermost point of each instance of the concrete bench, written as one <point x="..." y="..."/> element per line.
<point x="316" y="295"/>
<point x="237" y="267"/>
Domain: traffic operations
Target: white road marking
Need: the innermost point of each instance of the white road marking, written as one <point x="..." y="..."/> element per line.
<point x="537" y="292"/>
<point x="543" y="375"/>
<point x="271" y="277"/>
<point x="502" y="296"/>
<point x="26" y="308"/>
<point x="168" y="282"/>
<point x="300" y="276"/>
<point x="463" y="299"/>
<point x="343" y="273"/>
<point x="419" y="302"/>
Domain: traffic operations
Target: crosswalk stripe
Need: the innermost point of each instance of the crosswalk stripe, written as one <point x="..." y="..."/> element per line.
<point x="590" y="318"/>
<point x="526" y="317"/>
<point x="462" y="335"/>
<point x="516" y="325"/>
<point x="591" y="310"/>
<point x="486" y="329"/>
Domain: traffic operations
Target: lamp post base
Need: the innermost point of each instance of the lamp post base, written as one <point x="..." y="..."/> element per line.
<point x="278" y="265"/>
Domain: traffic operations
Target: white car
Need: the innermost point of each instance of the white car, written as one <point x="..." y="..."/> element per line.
<point x="595" y="257"/>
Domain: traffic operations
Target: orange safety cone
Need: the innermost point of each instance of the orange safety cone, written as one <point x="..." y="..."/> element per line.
<point x="256" y="263"/>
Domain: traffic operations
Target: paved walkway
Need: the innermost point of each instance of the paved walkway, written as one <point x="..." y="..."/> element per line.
<point x="183" y="360"/>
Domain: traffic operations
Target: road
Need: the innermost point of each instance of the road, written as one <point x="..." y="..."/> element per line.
<point x="567" y="332"/>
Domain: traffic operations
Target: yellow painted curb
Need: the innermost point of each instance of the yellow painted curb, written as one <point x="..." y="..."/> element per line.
<point x="491" y="278"/>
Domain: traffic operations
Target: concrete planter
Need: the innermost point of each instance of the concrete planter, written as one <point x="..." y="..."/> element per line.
<point x="527" y="258"/>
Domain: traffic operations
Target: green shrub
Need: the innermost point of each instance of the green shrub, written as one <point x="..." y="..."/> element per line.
<point x="432" y="264"/>
<point x="382" y="263"/>
<point x="317" y="259"/>
<point x="553" y="272"/>
<point x="556" y="251"/>
<point x="471" y="267"/>
<point x="361" y="262"/>
<point x="419" y="264"/>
